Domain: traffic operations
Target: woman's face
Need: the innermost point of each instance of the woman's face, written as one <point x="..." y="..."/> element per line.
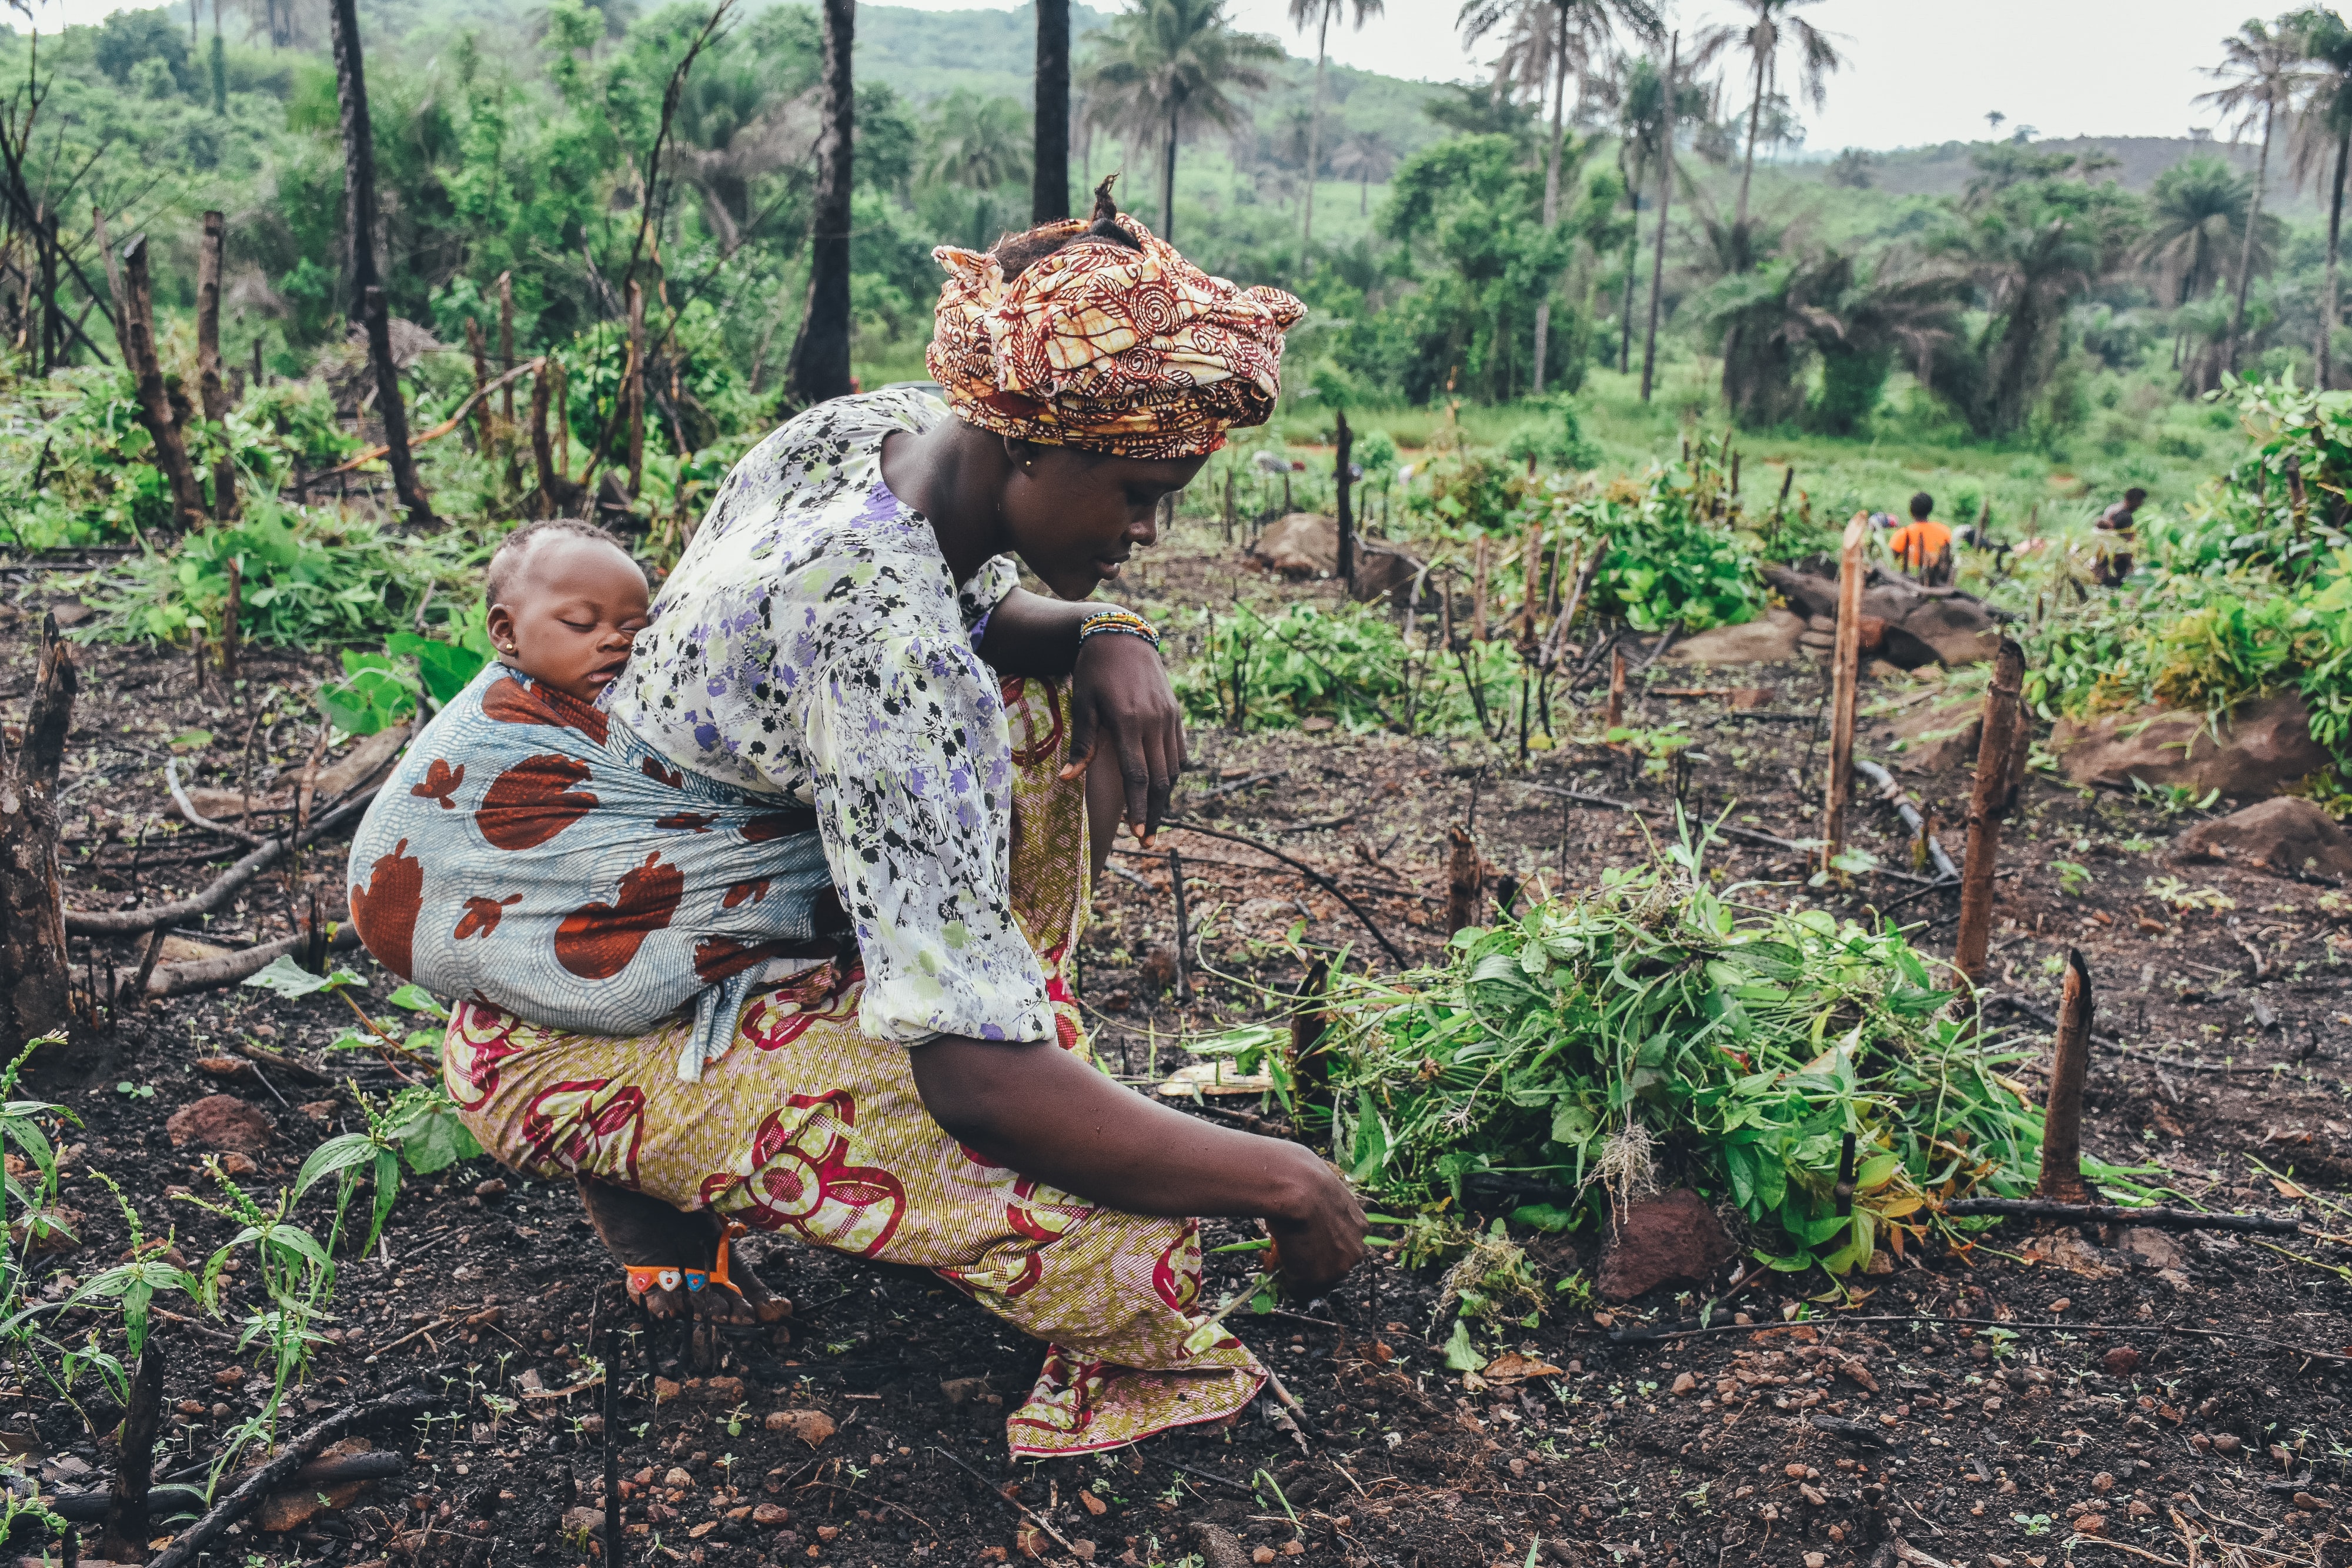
<point x="1075" y="517"/>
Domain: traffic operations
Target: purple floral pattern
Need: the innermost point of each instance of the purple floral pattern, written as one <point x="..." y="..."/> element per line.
<point x="814" y="644"/>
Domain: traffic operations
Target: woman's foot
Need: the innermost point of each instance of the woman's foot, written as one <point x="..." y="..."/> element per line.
<point x="642" y="1231"/>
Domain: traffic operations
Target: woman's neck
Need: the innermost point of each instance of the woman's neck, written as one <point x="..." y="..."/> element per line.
<point x="952" y="474"/>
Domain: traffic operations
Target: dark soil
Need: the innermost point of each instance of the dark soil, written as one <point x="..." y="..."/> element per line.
<point x="1771" y="1441"/>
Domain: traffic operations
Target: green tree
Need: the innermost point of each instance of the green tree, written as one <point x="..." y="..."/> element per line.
<point x="2196" y="209"/>
<point x="2262" y="71"/>
<point x="974" y="144"/>
<point x="1169" y="66"/>
<point x="1321" y="14"/>
<point x="1771" y="29"/>
<point x="2323" y="134"/>
<point x="1365" y="156"/>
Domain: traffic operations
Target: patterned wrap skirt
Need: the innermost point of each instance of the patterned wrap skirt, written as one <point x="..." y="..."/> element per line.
<point x="806" y="1128"/>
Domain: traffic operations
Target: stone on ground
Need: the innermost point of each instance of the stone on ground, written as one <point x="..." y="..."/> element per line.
<point x="2265" y="745"/>
<point x="220" y="1122"/>
<point x="1673" y="1238"/>
<point x="1771" y="638"/>
<point x="2285" y="835"/>
<point x="1935" y="737"/>
<point x="1302" y="544"/>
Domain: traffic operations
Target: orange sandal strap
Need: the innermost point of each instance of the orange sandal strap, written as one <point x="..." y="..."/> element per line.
<point x="719" y="1265"/>
<point x="645" y="1277"/>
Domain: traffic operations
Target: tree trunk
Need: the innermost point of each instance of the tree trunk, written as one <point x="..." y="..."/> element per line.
<point x="1845" y="673"/>
<point x="1167" y="177"/>
<point x="126" y="1533"/>
<point x="506" y="346"/>
<point x="2062" y="1112"/>
<point x="1625" y="311"/>
<point x="359" y="232"/>
<point x="1465" y="875"/>
<point x="632" y="388"/>
<point x="1343" y="479"/>
<point x="1315" y="125"/>
<point x="155" y="410"/>
<point x="1988" y="801"/>
<point x="479" y="350"/>
<point x="2335" y="236"/>
<point x="1552" y="188"/>
<point x="36" y="977"/>
<point x="1049" y="182"/>
<point x="209" y="361"/>
<point x="1665" y="200"/>
<point x="2246" y="247"/>
<point x="819" y="366"/>
<point x="1747" y="168"/>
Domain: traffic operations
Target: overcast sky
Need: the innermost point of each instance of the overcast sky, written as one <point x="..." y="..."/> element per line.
<point x="1914" y="73"/>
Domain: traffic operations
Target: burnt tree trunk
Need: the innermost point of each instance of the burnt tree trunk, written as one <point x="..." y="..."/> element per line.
<point x="127" y="1527"/>
<point x="155" y="409"/>
<point x="34" y="975"/>
<point x="1465" y="878"/>
<point x="819" y="367"/>
<point x="210" y="387"/>
<point x="2061" y="1115"/>
<point x="1049" y="187"/>
<point x="1343" y="479"/>
<point x="359" y="232"/>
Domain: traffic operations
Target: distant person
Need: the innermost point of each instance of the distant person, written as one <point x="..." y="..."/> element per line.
<point x="1924" y="546"/>
<point x="2115" y="527"/>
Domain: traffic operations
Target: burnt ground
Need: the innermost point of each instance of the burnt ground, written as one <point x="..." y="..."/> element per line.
<point x="2226" y="1437"/>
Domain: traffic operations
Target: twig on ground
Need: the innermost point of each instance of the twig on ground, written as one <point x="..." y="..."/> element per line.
<point x="2117" y="1214"/>
<point x="1012" y="1503"/>
<point x="197" y="818"/>
<point x="1309" y="871"/>
<point x="138" y="922"/>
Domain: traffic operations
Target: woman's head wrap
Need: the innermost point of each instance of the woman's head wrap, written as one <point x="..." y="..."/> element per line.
<point x="1132" y="352"/>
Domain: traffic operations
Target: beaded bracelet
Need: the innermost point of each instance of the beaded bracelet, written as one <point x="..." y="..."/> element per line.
<point x="1124" y="623"/>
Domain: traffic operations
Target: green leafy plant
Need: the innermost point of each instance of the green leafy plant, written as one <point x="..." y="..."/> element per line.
<point x="380" y="690"/>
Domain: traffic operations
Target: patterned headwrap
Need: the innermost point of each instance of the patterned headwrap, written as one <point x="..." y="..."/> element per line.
<point x="1137" y="353"/>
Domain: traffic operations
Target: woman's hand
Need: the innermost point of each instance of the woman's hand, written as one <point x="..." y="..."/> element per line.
<point x="1120" y="695"/>
<point x="1037" y="1108"/>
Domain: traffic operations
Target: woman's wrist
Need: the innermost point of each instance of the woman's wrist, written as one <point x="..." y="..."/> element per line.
<point x="1117" y="620"/>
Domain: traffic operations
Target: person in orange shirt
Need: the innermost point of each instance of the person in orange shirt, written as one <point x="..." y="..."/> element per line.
<point x="1924" y="544"/>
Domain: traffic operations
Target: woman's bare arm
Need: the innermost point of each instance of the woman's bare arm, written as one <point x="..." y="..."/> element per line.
<point x="1041" y="1110"/>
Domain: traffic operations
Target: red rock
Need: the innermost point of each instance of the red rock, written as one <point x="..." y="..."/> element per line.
<point x="220" y="1122"/>
<point x="1674" y="1239"/>
<point x="2264" y="745"/>
<point x="1771" y="638"/>
<point x="2121" y="1362"/>
<point x="1301" y="544"/>
<point x="2286" y="835"/>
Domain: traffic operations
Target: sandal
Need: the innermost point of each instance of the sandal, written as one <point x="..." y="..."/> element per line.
<point x="645" y="1277"/>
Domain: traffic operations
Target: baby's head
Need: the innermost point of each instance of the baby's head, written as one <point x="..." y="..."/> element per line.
<point x="566" y="601"/>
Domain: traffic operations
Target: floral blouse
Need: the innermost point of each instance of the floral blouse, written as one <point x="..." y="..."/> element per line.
<point x="814" y="642"/>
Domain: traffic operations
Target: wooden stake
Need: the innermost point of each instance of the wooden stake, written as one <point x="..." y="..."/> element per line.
<point x="1613" y="716"/>
<point x="1310" y="1064"/>
<point x="210" y="389"/>
<point x="1787" y="478"/>
<point x="2061" y="1115"/>
<point x="1183" y="931"/>
<point x="1989" y="802"/>
<point x="634" y="387"/>
<point x="1462" y="881"/>
<point x="125" y="1536"/>
<point x="1845" y="680"/>
<point x="1478" y="591"/>
<point x="1344" y="480"/>
<point x="35" y="972"/>
<point x="481" y="379"/>
<point x="170" y="452"/>
<point x="1531" y="583"/>
<point x="232" y="611"/>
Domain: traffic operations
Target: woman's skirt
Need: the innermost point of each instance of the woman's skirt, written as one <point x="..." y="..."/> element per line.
<point x="806" y="1127"/>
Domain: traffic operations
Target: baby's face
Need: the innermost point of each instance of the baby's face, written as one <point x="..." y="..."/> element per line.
<point x="569" y="611"/>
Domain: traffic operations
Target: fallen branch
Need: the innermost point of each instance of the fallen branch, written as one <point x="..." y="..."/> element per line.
<point x="1309" y="871"/>
<point x="2118" y="1214"/>
<point x="1013" y="1504"/>
<point x="439" y="431"/>
<point x="210" y="974"/>
<point x="1892" y="794"/>
<point x="197" y="818"/>
<point x="191" y="1542"/>
<point x="138" y="922"/>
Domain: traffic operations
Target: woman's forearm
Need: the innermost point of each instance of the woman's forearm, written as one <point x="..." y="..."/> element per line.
<point x="1030" y="634"/>
<point x="1043" y="1112"/>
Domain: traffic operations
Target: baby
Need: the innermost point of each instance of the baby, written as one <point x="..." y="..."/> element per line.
<point x="566" y="601"/>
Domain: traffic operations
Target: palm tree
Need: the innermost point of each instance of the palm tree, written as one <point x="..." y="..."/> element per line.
<point x="974" y="144"/>
<point x="1364" y="157"/>
<point x="1774" y="25"/>
<point x="2322" y="130"/>
<point x="1049" y="191"/>
<point x="2261" y="68"/>
<point x="1165" y="66"/>
<point x="2195" y="210"/>
<point x="1319" y="14"/>
<point x="1547" y="42"/>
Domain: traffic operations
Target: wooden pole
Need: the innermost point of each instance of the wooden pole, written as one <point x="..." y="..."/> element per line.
<point x="1988" y="801"/>
<point x="210" y="387"/>
<point x="1845" y="675"/>
<point x="35" y="972"/>
<point x="359" y="230"/>
<point x="2061" y="1115"/>
<point x="1462" y="879"/>
<point x="1183" y="931"/>
<point x="155" y="411"/>
<point x="481" y="353"/>
<point x="1530" y="585"/>
<point x="634" y="387"/>
<point x="125" y="1537"/>
<point x="1344" y="480"/>
<point x="1613" y="716"/>
<point x="1478" y="591"/>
